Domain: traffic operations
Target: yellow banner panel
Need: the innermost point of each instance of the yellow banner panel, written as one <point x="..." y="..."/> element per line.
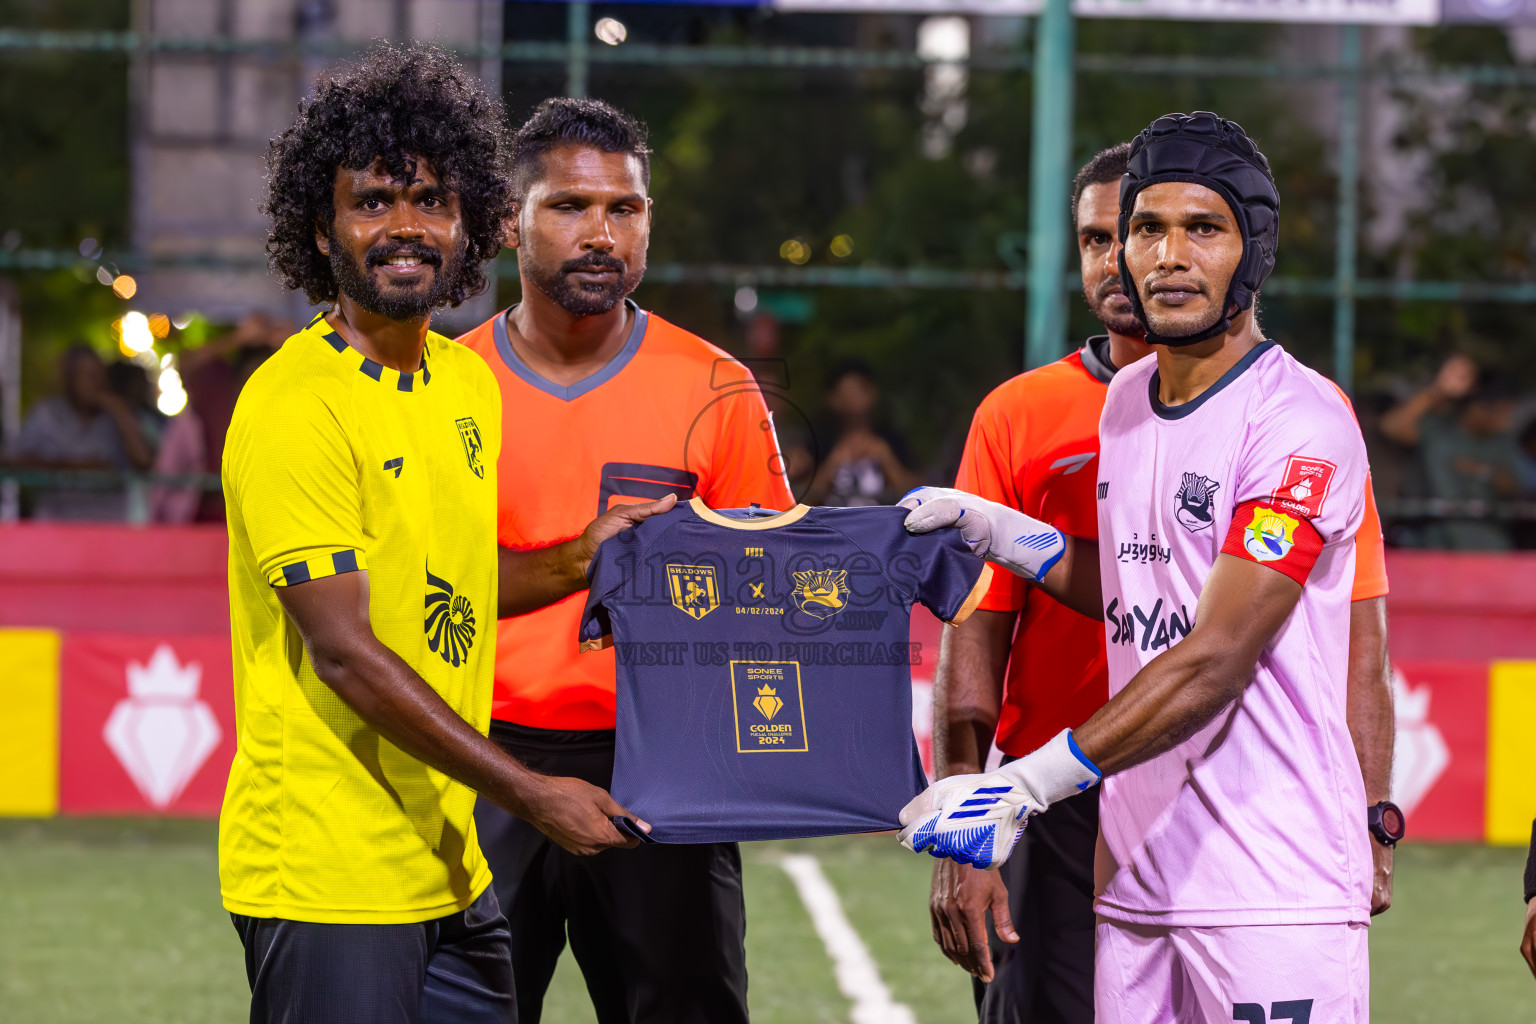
<point x="29" y="726"/>
<point x="1511" y="752"/>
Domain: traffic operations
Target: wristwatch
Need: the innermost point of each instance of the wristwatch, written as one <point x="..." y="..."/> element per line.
<point x="1386" y="822"/>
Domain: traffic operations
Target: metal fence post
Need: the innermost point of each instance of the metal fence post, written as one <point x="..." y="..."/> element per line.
<point x="578" y="15"/>
<point x="1050" y="158"/>
<point x="1349" y="209"/>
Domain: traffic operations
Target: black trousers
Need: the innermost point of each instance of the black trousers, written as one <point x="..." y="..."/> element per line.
<point x="454" y="970"/>
<point x="658" y="931"/>
<point x="1047" y="976"/>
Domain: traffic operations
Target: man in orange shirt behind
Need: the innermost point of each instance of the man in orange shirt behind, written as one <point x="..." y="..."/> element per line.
<point x="604" y="403"/>
<point x="1024" y="667"/>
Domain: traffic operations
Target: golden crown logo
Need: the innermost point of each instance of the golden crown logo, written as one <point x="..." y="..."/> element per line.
<point x="768" y="703"/>
<point x="821" y="594"/>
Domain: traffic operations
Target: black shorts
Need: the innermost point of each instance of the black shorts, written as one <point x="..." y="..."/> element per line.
<point x="1047" y="976"/>
<point x="659" y="931"/>
<point x="452" y="970"/>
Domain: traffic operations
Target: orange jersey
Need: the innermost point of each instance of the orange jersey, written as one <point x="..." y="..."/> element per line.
<point x="1034" y="445"/>
<point x="670" y="414"/>
<point x="1370" y="547"/>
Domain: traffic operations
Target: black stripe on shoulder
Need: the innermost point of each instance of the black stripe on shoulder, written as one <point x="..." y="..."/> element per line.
<point x="344" y="561"/>
<point x="298" y="572"/>
<point x="405" y="382"/>
<point x="334" y="340"/>
<point x="426" y="374"/>
<point x="372" y="369"/>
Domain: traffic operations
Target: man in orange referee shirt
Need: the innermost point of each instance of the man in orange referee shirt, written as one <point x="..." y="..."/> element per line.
<point x="604" y="403"/>
<point x="1024" y="667"/>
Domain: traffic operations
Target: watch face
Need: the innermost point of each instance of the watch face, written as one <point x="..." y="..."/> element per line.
<point x="1392" y="821"/>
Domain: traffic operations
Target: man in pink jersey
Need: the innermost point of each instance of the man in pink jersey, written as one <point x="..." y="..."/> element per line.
<point x="1233" y="879"/>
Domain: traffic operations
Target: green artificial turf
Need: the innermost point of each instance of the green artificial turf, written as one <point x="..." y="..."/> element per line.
<point x="119" y="921"/>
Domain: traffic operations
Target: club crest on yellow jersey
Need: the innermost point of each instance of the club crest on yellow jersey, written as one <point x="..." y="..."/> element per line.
<point x="822" y="593"/>
<point x="693" y="589"/>
<point x="1270" y="536"/>
<point x="469" y="433"/>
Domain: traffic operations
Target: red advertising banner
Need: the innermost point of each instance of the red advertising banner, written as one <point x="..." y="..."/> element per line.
<point x="1440" y="759"/>
<point x="926" y="633"/>
<point x="146" y="724"/>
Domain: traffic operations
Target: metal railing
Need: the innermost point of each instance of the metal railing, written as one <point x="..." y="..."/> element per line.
<point x="1051" y="55"/>
<point x="137" y="486"/>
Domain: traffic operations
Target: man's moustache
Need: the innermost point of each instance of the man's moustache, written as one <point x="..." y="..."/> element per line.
<point x="593" y="264"/>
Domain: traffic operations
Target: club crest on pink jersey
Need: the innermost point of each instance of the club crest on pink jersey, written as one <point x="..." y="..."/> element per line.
<point x="1304" y="487"/>
<point x="1192" y="504"/>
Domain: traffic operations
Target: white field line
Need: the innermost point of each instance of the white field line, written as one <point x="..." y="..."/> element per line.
<point x="857" y="976"/>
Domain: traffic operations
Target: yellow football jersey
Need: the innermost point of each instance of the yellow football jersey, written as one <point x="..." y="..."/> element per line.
<point x="334" y="464"/>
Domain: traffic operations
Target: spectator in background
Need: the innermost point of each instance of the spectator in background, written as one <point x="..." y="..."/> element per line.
<point x="184" y="450"/>
<point x="130" y="382"/>
<point x="1525" y="457"/>
<point x="86" y="427"/>
<point x="864" y="465"/>
<point x="212" y="376"/>
<point x="1462" y="427"/>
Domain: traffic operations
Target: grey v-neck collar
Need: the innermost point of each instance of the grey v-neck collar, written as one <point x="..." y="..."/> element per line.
<point x="567" y="394"/>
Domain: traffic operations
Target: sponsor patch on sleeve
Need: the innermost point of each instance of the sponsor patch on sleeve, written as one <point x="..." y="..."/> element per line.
<point x="1263" y="532"/>
<point x="1304" y="487"/>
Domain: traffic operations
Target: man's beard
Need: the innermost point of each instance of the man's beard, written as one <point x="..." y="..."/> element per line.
<point x="1169" y="327"/>
<point x="1112" y="309"/>
<point x="586" y="299"/>
<point x="356" y="280"/>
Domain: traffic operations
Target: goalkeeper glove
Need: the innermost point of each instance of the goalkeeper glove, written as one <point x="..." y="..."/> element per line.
<point x="1019" y="543"/>
<point x="978" y="819"/>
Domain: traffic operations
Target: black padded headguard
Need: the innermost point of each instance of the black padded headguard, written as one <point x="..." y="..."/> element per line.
<point x="1204" y="149"/>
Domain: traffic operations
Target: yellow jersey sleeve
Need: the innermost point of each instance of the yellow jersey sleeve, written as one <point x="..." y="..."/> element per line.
<point x="295" y="478"/>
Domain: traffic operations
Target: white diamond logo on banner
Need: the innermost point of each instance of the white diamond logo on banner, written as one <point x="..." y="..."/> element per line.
<point x="1419" y="755"/>
<point x="162" y="732"/>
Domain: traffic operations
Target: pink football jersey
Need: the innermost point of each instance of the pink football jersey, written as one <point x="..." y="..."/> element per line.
<point x="1259" y="818"/>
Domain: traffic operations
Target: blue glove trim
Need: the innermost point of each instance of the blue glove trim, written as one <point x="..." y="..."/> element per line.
<point x="1049" y="563"/>
<point x="1078" y="753"/>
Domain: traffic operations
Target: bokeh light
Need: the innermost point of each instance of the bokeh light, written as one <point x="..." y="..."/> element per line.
<point x="796" y="252"/>
<point x="746" y="299"/>
<point x="842" y="246"/>
<point x="124" y="287"/>
<point x="611" y="31"/>
<point x="173" y="397"/>
<point x="136" y="334"/>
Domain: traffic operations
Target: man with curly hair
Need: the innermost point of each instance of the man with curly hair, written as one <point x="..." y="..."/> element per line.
<point x="360" y="472"/>
<point x="627" y="407"/>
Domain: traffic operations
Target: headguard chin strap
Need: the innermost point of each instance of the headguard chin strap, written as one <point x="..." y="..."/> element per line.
<point x="1204" y="149"/>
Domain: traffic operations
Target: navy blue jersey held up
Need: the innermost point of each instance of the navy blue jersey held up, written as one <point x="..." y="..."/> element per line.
<point x="764" y="665"/>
